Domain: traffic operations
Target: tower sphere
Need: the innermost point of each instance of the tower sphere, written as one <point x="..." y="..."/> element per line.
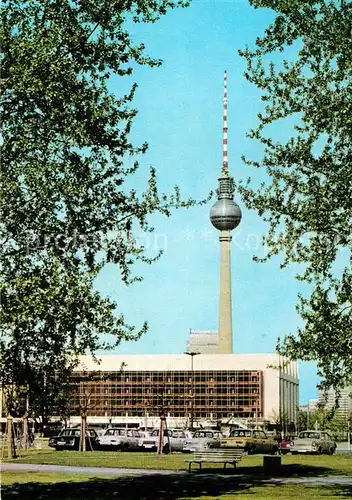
<point x="225" y="214"/>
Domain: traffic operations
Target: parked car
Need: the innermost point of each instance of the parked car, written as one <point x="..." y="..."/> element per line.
<point x="202" y="440"/>
<point x="286" y="444"/>
<point x="174" y="440"/>
<point x="68" y="439"/>
<point x="144" y="433"/>
<point x="314" y="442"/>
<point x="116" y="438"/>
<point x="251" y="440"/>
<point x="52" y="429"/>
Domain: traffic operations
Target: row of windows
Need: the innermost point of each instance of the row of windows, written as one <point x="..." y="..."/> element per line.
<point x="198" y="398"/>
<point x="174" y="390"/>
<point x="175" y="413"/>
<point x="179" y="405"/>
<point x="172" y="403"/>
<point x="165" y="377"/>
<point x="168" y="380"/>
<point x="196" y="379"/>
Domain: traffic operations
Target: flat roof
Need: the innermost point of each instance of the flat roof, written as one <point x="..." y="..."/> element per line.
<point x="182" y="362"/>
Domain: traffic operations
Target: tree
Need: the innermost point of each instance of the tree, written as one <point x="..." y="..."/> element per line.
<point x="306" y="199"/>
<point x="82" y="397"/>
<point x="332" y="420"/>
<point x="302" y="420"/>
<point x="85" y="390"/>
<point x="66" y="210"/>
<point x="48" y="393"/>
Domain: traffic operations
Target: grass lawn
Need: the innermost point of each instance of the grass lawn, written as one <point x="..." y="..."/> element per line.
<point x="293" y="465"/>
<point x="59" y="486"/>
<point x="51" y="486"/>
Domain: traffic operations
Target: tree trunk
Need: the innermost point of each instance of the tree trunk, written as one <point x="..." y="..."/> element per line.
<point x="25" y="435"/>
<point x="11" y="450"/>
<point x="161" y="435"/>
<point x="82" y="439"/>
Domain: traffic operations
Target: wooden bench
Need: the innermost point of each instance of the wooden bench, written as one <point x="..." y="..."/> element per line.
<point x="216" y="455"/>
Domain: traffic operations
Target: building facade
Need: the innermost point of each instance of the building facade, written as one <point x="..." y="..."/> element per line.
<point x="211" y="387"/>
<point x="344" y="400"/>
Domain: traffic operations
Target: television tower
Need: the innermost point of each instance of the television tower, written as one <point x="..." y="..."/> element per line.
<point x="225" y="215"/>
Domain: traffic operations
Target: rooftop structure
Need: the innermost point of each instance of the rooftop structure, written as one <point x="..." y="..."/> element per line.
<point x="203" y="342"/>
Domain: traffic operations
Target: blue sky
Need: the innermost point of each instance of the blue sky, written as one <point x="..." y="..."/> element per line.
<point x="180" y="116"/>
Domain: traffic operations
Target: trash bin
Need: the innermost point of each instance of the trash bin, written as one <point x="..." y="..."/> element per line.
<point x="272" y="465"/>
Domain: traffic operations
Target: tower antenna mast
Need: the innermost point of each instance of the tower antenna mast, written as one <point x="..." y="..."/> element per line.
<point x="225" y="163"/>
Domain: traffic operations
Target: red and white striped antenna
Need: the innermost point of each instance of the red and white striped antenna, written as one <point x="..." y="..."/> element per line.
<point x="225" y="165"/>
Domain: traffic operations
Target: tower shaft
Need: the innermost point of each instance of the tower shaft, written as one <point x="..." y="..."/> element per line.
<point x="225" y="215"/>
<point x="225" y="303"/>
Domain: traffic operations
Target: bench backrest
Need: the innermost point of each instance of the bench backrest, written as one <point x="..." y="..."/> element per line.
<point x="218" y="454"/>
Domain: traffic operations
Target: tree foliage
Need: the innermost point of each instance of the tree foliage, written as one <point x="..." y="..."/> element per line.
<point x="302" y="66"/>
<point x="334" y="421"/>
<point x="67" y="167"/>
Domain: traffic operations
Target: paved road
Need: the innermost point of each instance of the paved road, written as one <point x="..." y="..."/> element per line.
<point x="341" y="480"/>
<point x="344" y="448"/>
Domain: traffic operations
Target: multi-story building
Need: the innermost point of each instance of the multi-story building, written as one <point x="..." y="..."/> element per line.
<point x="214" y="387"/>
<point x="344" y="400"/>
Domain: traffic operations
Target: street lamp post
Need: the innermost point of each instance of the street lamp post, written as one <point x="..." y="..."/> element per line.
<point x="192" y="354"/>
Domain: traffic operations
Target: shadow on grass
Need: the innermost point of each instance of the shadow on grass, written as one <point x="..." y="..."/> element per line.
<point x="288" y="470"/>
<point x="153" y="487"/>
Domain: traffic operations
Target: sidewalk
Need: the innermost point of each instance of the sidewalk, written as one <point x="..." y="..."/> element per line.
<point x="84" y="470"/>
